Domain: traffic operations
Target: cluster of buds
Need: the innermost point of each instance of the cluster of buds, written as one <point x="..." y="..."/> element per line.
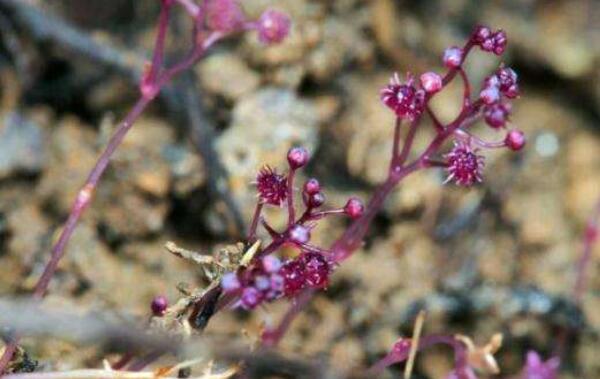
<point x="267" y="277"/>
<point x="492" y="42"/>
<point x="410" y="100"/>
<point x="227" y="16"/>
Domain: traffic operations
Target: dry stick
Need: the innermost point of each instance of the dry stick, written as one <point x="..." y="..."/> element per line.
<point x="45" y="26"/>
<point x="86" y="193"/>
<point x="414" y="344"/>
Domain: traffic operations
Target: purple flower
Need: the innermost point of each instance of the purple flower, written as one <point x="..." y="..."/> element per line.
<point x="535" y="368"/>
<point x="316" y="269"/>
<point x="293" y="277"/>
<point x="271" y="186"/>
<point x="465" y="166"/>
<point x="405" y="100"/>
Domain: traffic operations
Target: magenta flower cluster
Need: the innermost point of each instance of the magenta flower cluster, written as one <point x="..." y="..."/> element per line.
<point x="268" y="277"/>
<point x="409" y="101"/>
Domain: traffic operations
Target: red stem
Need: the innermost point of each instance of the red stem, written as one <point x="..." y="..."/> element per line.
<point x="254" y="225"/>
<point x="159" y="47"/>
<point x="86" y="193"/>
<point x="290" y="197"/>
<point x="394" y="356"/>
<point x="589" y="238"/>
<point x="270" y="338"/>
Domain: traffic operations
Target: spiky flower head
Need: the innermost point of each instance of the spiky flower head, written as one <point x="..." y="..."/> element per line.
<point x="271" y="186"/>
<point x="405" y="100"/>
<point x="465" y="166"/>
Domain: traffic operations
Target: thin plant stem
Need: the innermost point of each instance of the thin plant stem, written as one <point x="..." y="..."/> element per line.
<point x="85" y="195"/>
<point x="254" y="224"/>
<point x="271" y="338"/>
<point x="590" y="236"/>
<point x="467" y="87"/>
<point x="290" y="197"/>
<point x="396" y="143"/>
<point x="159" y="49"/>
<point x="395" y="356"/>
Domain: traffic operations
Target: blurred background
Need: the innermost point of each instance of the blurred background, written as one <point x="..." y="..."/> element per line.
<point x="495" y="258"/>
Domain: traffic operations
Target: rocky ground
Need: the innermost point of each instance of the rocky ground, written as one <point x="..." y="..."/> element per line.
<point x="495" y="258"/>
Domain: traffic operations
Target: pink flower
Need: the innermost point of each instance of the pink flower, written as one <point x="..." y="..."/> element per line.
<point x="405" y="100"/>
<point x="271" y="186"/>
<point x="465" y="166"/>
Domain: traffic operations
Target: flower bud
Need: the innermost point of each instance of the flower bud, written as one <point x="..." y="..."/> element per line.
<point x="431" y="82"/>
<point x="297" y="157"/>
<point x="354" y="208"/>
<point x="515" y="140"/>
<point x="312" y="186"/>
<point x="273" y="27"/>
<point x="299" y="234"/>
<point x="159" y="305"/>
<point x="453" y="57"/>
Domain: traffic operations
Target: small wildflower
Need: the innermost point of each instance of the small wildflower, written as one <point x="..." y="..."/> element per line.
<point x="490" y="95"/>
<point x="453" y="57"/>
<point x="500" y="42"/>
<point x="312" y="186"/>
<point x="297" y="157"/>
<point x="492" y="42"/>
<point x="464" y="165"/>
<point x="299" y="234"/>
<point x="515" y="140"/>
<point x="496" y="115"/>
<point x="507" y="80"/>
<point x="354" y="208"/>
<point x="271" y="264"/>
<point x="230" y="282"/>
<point x="223" y="15"/>
<point x="481" y="34"/>
<point x="316" y="269"/>
<point x="293" y="277"/>
<point x="405" y="100"/>
<point x="271" y="186"/>
<point x="273" y="27"/>
<point x="277" y="286"/>
<point x="535" y="368"/>
<point x="251" y="298"/>
<point x="159" y="305"/>
<point x="431" y="82"/>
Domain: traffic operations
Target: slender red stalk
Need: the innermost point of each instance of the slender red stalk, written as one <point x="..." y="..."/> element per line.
<point x="400" y="355"/>
<point x="590" y="237"/>
<point x="290" y="197"/>
<point x="85" y="195"/>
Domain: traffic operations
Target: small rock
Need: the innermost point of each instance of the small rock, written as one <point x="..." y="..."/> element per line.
<point x="22" y="148"/>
